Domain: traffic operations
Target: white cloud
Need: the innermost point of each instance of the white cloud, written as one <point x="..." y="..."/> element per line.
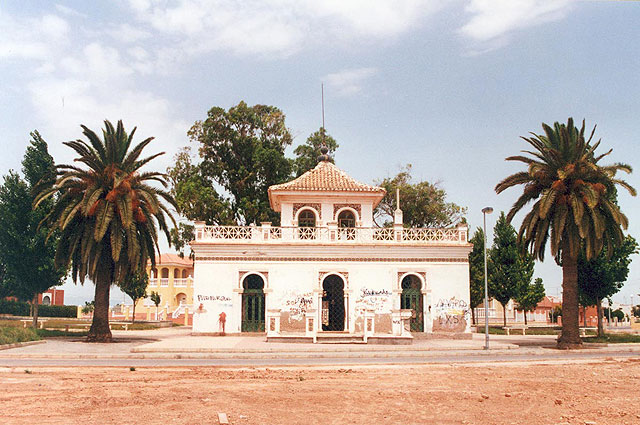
<point x="493" y="20"/>
<point x="278" y="27"/>
<point x="349" y="81"/>
<point x="32" y="38"/>
<point x="64" y="104"/>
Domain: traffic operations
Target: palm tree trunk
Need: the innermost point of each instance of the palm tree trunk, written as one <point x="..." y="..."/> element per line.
<point x="570" y="335"/>
<point x="100" y="331"/>
<point x="600" y="323"/>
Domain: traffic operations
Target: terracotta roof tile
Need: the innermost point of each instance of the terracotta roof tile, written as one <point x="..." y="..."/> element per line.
<point x="326" y="177"/>
<point x="168" y="258"/>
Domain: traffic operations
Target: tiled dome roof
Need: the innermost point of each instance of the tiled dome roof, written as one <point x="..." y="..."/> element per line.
<point x="326" y="177"/>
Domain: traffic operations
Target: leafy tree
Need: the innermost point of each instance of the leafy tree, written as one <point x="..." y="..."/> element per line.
<point x="155" y="298"/>
<point x="603" y="276"/>
<point x="572" y="207"/>
<point x="107" y="214"/>
<point x="307" y="153"/>
<point x="26" y="255"/>
<point x="529" y="298"/>
<point x="195" y="193"/>
<point x="242" y="152"/>
<point x="135" y="285"/>
<point x="423" y="203"/>
<point x="476" y="271"/>
<point x="510" y="270"/>
<point x="88" y="307"/>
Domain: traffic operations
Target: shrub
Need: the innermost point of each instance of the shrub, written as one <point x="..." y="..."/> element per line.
<point x="58" y="311"/>
<point x="17" y="308"/>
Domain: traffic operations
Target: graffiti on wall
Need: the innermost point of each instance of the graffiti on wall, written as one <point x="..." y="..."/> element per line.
<point x="296" y="305"/>
<point x="451" y="315"/>
<point x="219" y="300"/>
<point x="378" y="300"/>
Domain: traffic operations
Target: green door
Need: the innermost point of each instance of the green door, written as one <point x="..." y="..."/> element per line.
<point x="253" y="310"/>
<point x="253" y="304"/>
<point x="411" y="299"/>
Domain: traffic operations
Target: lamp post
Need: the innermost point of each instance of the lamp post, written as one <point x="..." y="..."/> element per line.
<point x="485" y="211"/>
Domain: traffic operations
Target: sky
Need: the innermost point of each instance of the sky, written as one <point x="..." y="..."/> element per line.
<point x="448" y="86"/>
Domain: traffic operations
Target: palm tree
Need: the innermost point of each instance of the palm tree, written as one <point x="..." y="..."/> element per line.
<point x="573" y="207"/>
<point x="108" y="214"/>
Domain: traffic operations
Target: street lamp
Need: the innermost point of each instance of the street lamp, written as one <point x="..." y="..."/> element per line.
<point x="485" y="211"/>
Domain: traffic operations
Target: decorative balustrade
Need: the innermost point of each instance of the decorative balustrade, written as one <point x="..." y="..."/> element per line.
<point x="164" y="282"/>
<point x="268" y="234"/>
<point x="180" y="283"/>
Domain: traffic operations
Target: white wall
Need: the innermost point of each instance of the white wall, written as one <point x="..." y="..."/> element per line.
<point x="295" y="286"/>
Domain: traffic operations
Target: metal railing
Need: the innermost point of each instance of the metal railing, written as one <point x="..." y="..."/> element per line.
<point x="269" y="234"/>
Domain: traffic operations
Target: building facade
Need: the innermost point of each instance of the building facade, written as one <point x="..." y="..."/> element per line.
<point x="172" y="279"/>
<point x="328" y="268"/>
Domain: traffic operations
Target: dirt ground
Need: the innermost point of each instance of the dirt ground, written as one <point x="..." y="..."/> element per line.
<point x="605" y="392"/>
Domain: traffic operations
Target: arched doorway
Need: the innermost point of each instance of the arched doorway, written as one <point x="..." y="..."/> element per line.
<point x="253" y="304"/>
<point x="411" y="299"/>
<point x="46" y="300"/>
<point x="333" y="303"/>
<point x="347" y="224"/>
<point x="181" y="298"/>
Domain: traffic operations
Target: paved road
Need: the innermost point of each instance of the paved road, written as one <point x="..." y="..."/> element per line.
<point x="536" y="356"/>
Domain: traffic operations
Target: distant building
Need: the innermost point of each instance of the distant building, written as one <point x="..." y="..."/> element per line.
<point x="172" y="279"/>
<point x="53" y="296"/>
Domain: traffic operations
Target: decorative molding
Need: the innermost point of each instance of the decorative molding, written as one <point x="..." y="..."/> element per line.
<point x="317" y="207"/>
<point x="244" y="273"/>
<point x="356" y="207"/>
<point x="343" y="274"/>
<point x="423" y="275"/>
<point x="335" y="259"/>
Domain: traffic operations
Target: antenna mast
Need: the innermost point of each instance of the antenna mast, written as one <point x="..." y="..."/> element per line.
<point x="323" y="130"/>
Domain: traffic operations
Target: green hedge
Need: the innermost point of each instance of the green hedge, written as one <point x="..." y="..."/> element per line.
<point x="22" y="309"/>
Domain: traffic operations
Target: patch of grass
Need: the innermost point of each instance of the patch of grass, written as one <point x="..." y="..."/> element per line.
<point x="615" y="338"/>
<point x="13" y="334"/>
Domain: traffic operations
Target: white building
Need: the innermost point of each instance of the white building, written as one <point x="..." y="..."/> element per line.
<point x="328" y="270"/>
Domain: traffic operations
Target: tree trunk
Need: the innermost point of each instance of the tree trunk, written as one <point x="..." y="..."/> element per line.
<point x="473" y="316"/>
<point x="525" y="317"/>
<point x="504" y="314"/>
<point x="133" y="317"/>
<point x="100" y="331"/>
<point x="600" y="323"/>
<point x="34" y="311"/>
<point x="570" y="335"/>
<point x="584" y="316"/>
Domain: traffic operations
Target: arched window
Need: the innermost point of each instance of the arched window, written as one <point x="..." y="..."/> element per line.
<point x="346" y="219"/>
<point x="184" y="274"/>
<point x="306" y="218"/>
<point x="347" y="224"/>
<point x="176" y="273"/>
<point x="165" y="273"/>
<point x="307" y="224"/>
